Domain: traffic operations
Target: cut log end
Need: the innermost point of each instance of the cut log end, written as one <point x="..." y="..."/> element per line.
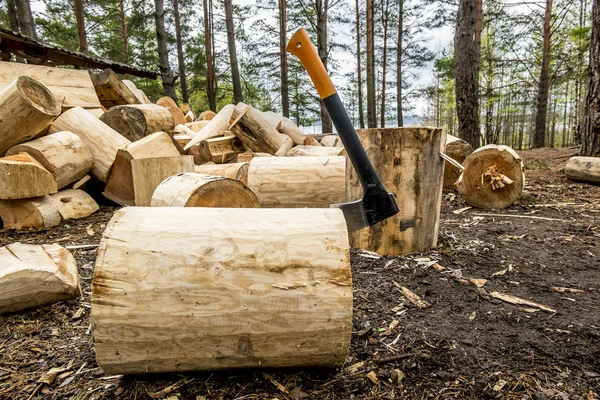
<point x="38" y="96"/>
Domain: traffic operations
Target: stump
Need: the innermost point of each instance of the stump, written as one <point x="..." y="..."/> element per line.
<point x="38" y="213"/>
<point x="24" y="177"/>
<point x="319" y="151"/>
<point x="73" y="204"/>
<point x="295" y="182"/>
<point x="236" y="288"/>
<point x="237" y="171"/>
<point x="27" y="108"/>
<point x="409" y="165"/>
<point x="493" y="177"/>
<point x="32" y="275"/>
<point x="198" y="190"/>
<point x="137" y="121"/>
<point x="584" y="169"/>
<point x="458" y="149"/>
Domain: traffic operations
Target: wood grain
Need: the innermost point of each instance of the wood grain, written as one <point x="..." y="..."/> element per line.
<point x="24" y="177"/>
<point x="38" y="213"/>
<point x="148" y="173"/>
<point x="138" y="120"/>
<point x="73" y="203"/>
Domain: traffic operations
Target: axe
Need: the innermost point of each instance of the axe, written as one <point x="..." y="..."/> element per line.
<point x="376" y="204"/>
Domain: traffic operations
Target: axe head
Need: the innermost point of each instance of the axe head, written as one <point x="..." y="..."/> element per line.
<point x="374" y="207"/>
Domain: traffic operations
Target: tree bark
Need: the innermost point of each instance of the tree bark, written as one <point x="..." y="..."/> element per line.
<point x="399" y="64"/>
<point x="211" y="78"/>
<point x="371" y="112"/>
<point x="80" y="17"/>
<point x="124" y="35"/>
<point x="361" y="114"/>
<point x="466" y="72"/>
<point x="322" y="8"/>
<point x="13" y="17"/>
<point x="285" y="94"/>
<point x="163" y="52"/>
<point x="26" y="21"/>
<point x="539" y="139"/>
<point x="180" y="60"/>
<point x="235" y="73"/>
<point x="384" y="61"/>
<point x="590" y="145"/>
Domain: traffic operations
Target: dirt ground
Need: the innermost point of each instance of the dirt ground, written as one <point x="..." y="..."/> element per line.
<point x="466" y="344"/>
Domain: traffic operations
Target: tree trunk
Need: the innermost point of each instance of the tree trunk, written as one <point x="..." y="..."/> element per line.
<point x="361" y="114"/>
<point x="371" y="112"/>
<point x="13" y="20"/>
<point x="26" y="21"/>
<point x="591" y="128"/>
<point x="384" y="61"/>
<point x="163" y="51"/>
<point x="19" y="168"/>
<point x="466" y="72"/>
<point x="322" y="9"/>
<point x="124" y="35"/>
<point x="585" y="169"/>
<point x="80" y="17"/>
<point x="283" y="64"/>
<point x="180" y="60"/>
<point x="563" y="141"/>
<point x="399" y="64"/>
<point x="211" y="78"/>
<point x="235" y="73"/>
<point x="539" y="139"/>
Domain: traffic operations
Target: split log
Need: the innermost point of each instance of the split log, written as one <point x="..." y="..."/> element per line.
<point x="252" y="306"/>
<point x="458" y="149"/>
<point x="295" y="182"/>
<point x="182" y="140"/>
<point x="197" y="126"/>
<point x="247" y="156"/>
<point x="63" y="154"/>
<point x="121" y="185"/>
<point x="169" y="104"/>
<point x="137" y="121"/>
<point x="139" y="94"/>
<point x="197" y="155"/>
<point x="220" y="150"/>
<point x="184" y="130"/>
<point x="24" y="177"/>
<point x="288" y="127"/>
<point x="111" y="91"/>
<point x="493" y="177"/>
<point x="27" y="108"/>
<point x="584" y="169"/>
<point x="198" y="190"/>
<point x="189" y="117"/>
<point x="80" y="184"/>
<point x="186" y="109"/>
<point x="318" y="151"/>
<point x="255" y="132"/>
<point x="237" y="171"/>
<point x="332" y="141"/>
<point x="38" y="213"/>
<point x="216" y="126"/>
<point x="408" y="163"/>
<point x="101" y="139"/>
<point x="73" y="204"/>
<point x="32" y="275"/>
<point x="206" y="115"/>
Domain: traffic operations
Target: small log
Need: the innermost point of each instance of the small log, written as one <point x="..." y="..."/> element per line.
<point x="38" y="213"/>
<point x="197" y="126"/>
<point x="255" y="132"/>
<point x="316" y="151"/>
<point x="220" y="150"/>
<point x="169" y="104"/>
<point x="148" y="173"/>
<point x="182" y="140"/>
<point x="458" y="149"/>
<point x="237" y="171"/>
<point x="288" y="127"/>
<point x="32" y="275"/>
<point x="24" y="177"/>
<point x="184" y="130"/>
<point x="139" y="94"/>
<point x="27" y="108"/>
<point x="216" y="126"/>
<point x="195" y="152"/>
<point x="332" y="141"/>
<point x="80" y="183"/>
<point x="137" y="121"/>
<point x="248" y="276"/>
<point x="73" y="204"/>
<point x="247" y="156"/>
<point x="111" y="91"/>
<point x="189" y="117"/>
<point x="295" y="182"/>
<point x="584" y="169"/>
<point x="102" y="141"/>
<point x="206" y="115"/>
<point x="493" y="177"/>
<point x="63" y="154"/>
<point x="197" y="190"/>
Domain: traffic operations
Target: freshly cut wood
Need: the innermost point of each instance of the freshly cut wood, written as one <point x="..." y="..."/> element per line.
<point x="139" y="94"/>
<point x="198" y="156"/>
<point x="206" y="115"/>
<point x="63" y="154"/>
<point x="221" y="150"/>
<point x="310" y="141"/>
<point x="267" y="288"/>
<point x="319" y="151"/>
<point x="197" y="126"/>
<point x="38" y="213"/>
<point x="80" y="183"/>
<point x="24" y="177"/>
<point x="408" y="163"/>
<point x="289" y="128"/>
<point x="121" y="184"/>
<point x="169" y="104"/>
<point x="148" y="173"/>
<point x="32" y="275"/>
<point x="189" y="117"/>
<point x="186" y="109"/>
<point x="293" y="182"/>
<point x="27" y="108"/>
<point x="184" y="130"/>
<point x="585" y="169"/>
<point x="519" y="301"/>
<point x="255" y="132"/>
<point x="198" y="190"/>
<point x="247" y="156"/>
<point x="493" y="177"/>
<point x="96" y="112"/>
<point x="332" y="141"/>
<point x="137" y="121"/>
<point x="102" y="141"/>
<point x="458" y="149"/>
<point x="237" y="171"/>
<point x="111" y="91"/>
<point x="182" y="140"/>
<point x="72" y="204"/>
<point x="216" y="126"/>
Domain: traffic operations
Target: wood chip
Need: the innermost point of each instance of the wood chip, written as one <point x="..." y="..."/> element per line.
<point x="438" y="267"/>
<point x="500" y="273"/>
<point x="390" y="328"/>
<point x="569" y="290"/>
<point x="371" y="375"/>
<point x="478" y="282"/>
<point x="412" y="297"/>
<point x="279" y="386"/>
<point x="169" y="389"/>
<point x="78" y="314"/>
<point x="520" y="216"/>
<point x="461" y="210"/>
<point x="355" y="367"/>
<point x="517" y="300"/>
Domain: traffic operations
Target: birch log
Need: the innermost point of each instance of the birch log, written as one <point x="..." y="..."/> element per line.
<point x="38" y="213"/>
<point x="295" y="182"/>
<point x="584" y="169"/>
<point x="318" y="151"/>
<point x="27" y="108"/>
<point x="137" y="121"/>
<point x="63" y="154"/>
<point x="23" y="177"/>
<point x="73" y="204"/>
<point x="458" y="149"/>
<point x="206" y="288"/>
<point x="237" y="171"/>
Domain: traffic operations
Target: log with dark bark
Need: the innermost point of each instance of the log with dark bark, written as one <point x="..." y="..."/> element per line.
<point x="585" y="169"/>
<point x="137" y="121"/>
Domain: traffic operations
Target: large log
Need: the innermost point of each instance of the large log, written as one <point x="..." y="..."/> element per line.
<point x="237" y="171"/>
<point x="216" y="126"/>
<point x="38" y="213"/>
<point x="584" y="169"/>
<point x="198" y="190"/>
<point x="63" y="154"/>
<point x="101" y="139"/>
<point x="148" y="173"/>
<point x="24" y="177"/>
<point x="73" y="204"/>
<point x="206" y="115"/>
<point x="255" y="132"/>
<point x="27" y="108"/>
<point x="111" y="91"/>
<point x="493" y="177"/>
<point x="318" y="151"/>
<point x="292" y="182"/>
<point x="171" y="106"/>
<point x="408" y="163"/>
<point x="32" y="275"/>
<point x="205" y="288"/>
<point x="137" y="121"/>
<point x="220" y="150"/>
<point x="458" y="149"/>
